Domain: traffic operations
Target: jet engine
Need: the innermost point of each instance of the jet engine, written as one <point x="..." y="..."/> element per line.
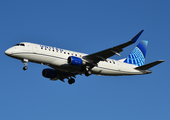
<point x="49" y="73"/>
<point x="72" y="60"/>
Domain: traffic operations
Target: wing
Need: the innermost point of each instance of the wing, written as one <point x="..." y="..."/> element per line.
<point x="103" y="55"/>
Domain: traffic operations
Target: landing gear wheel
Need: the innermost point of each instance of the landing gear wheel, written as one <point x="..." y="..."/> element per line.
<point x="87" y="73"/>
<point x="25" y="63"/>
<point x="25" y="68"/>
<point x="71" y="81"/>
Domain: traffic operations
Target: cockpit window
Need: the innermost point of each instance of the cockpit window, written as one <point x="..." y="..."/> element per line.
<point x="21" y="44"/>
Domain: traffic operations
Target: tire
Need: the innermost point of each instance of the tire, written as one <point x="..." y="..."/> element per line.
<point x="71" y="81"/>
<point x="87" y="73"/>
<point x="25" y="68"/>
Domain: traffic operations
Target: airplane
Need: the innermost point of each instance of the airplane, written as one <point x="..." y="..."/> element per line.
<point x="66" y="64"/>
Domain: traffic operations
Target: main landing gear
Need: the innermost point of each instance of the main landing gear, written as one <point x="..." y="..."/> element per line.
<point x="25" y="63"/>
<point x="88" y="71"/>
<point x="71" y="81"/>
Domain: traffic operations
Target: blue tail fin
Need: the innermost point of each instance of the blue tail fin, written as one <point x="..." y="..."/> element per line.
<point x="137" y="56"/>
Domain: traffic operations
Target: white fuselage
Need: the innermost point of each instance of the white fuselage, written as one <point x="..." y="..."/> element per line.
<point x="57" y="58"/>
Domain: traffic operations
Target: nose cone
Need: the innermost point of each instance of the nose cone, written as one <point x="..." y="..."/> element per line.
<point x="8" y="51"/>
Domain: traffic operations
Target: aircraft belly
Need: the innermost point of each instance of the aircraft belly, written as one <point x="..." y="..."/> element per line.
<point x="63" y="65"/>
<point x="40" y="58"/>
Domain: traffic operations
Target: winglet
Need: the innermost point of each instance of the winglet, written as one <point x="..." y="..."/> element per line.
<point x="134" y="39"/>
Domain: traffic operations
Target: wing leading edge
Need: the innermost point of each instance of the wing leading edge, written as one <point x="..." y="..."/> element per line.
<point x="103" y="55"/>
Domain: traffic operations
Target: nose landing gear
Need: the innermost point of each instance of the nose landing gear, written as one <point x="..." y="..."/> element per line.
<point x="25" y="63"/>
<point x="25" y="68"/>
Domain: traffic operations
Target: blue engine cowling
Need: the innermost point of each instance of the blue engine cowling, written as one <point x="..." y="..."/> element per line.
<point x="74" y="61"/>
<point x="49" y="73"/>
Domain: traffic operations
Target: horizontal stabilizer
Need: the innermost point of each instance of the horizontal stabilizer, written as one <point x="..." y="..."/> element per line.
<point x="147" y="66"/>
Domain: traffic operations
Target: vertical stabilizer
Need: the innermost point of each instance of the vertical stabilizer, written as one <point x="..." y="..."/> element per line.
<point x="137" y="56"/>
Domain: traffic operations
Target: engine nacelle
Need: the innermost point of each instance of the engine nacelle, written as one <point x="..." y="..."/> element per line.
<point x="72" y="60"/>
<point x="49" y="73"/>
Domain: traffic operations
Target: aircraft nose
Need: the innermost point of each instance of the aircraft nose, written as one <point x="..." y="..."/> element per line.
<point x="8" y="51"/>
